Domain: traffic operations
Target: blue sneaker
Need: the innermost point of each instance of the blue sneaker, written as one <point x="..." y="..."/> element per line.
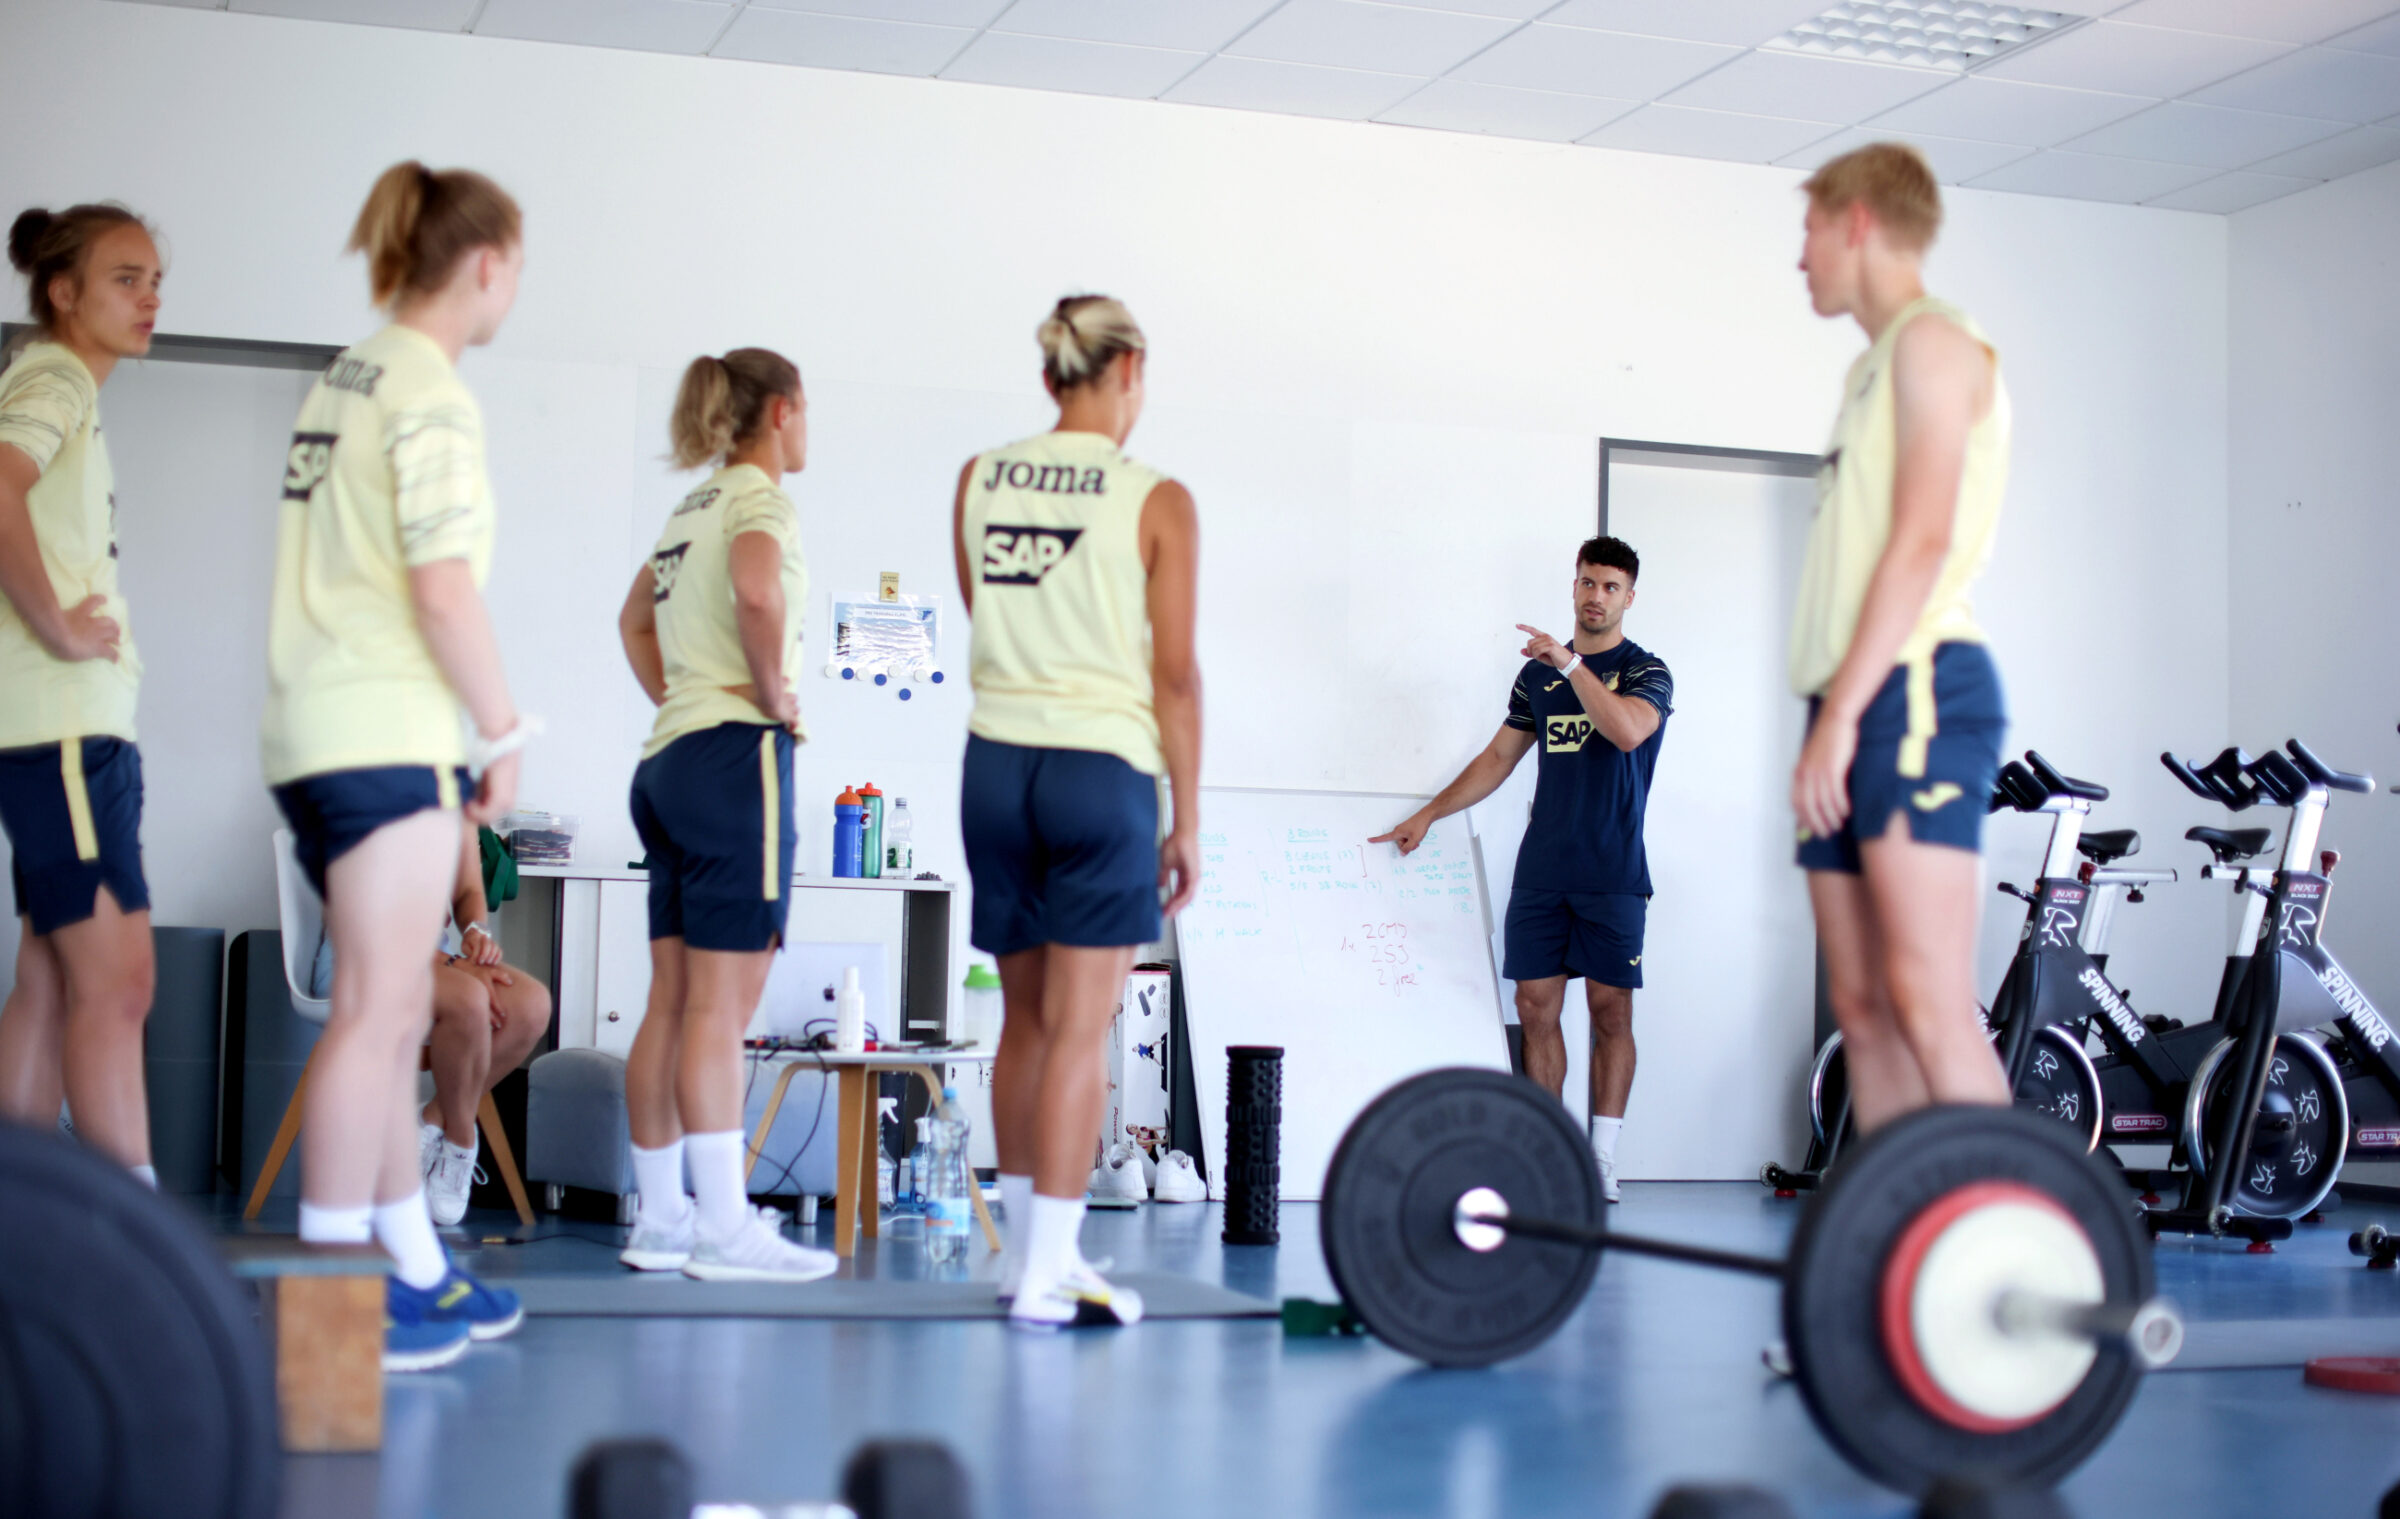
<point x="488" y="1312"/>
<point x="414" y="1341"/>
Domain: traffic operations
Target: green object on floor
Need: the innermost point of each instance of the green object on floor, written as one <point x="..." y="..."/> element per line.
<point x="1307" y="1318"/>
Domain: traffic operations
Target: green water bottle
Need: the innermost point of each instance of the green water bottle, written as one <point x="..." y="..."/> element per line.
<point x="872" y="800"/>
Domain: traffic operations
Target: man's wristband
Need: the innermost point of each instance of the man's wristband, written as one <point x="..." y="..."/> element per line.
<point x="1572" y="664"/>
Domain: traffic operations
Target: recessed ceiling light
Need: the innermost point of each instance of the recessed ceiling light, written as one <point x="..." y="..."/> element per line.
<point x="1956" y="35"/>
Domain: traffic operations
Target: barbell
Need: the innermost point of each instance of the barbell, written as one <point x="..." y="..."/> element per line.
<point x="1969" y="1296"/>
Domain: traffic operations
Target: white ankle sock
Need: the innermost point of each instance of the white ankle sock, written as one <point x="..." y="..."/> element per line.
<point x="405" y="1229"/>
<point x="336" y="1226"/>
<point x="717" y="1184"/>
<point x="658" y="1183"/>
<point x="1050" y="1245"/>
<point x="1604" y="1136"/>
<point x="146" y="1175"/>
<point x="1016" y="1222"/>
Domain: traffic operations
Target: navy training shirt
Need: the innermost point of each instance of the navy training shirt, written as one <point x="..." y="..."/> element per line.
<point x="1588" y="795"/>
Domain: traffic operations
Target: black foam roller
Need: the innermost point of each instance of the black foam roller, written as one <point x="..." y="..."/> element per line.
<point x="1253" y="1144"/>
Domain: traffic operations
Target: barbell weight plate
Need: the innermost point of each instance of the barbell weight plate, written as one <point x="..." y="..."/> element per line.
<point x="1834" y="1289"/>
<point x="1387" y="1216"/>
<point x="139" y="1379"/>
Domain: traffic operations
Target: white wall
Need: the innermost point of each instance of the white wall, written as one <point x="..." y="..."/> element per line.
<point x="1307" y="285"/>
<point x="2316" y="390"/>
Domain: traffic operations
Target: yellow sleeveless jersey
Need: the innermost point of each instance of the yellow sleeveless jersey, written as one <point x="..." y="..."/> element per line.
<point x="385" y="473"/>
<point x="1854" y="514"/>
<point x="50" y="412"/>
<point x="1062" y="601"/>
<point x="692" y="578"/>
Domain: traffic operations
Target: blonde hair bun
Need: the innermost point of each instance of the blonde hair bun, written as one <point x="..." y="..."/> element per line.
<point x="1082" y="336"/>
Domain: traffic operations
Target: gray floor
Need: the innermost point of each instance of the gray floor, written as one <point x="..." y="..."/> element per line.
<point x="1656" y="1380"/>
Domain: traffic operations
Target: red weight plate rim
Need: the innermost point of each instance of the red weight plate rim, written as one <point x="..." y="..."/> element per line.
<point x="2355" y="1373"/>
<point x="1899" y="1299"/>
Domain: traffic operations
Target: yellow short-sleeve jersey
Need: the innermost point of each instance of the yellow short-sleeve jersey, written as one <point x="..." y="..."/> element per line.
<point x="50" y="413"/>
<point x="691" y="578"/>
<point x="1062" y="599"/>
<point x="386" y="473"/>
<point x="1854" y="514"/>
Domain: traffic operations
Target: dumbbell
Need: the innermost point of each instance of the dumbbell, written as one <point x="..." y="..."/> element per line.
<point x="883" y="1479"/>
<point x="1966" y="1297"/>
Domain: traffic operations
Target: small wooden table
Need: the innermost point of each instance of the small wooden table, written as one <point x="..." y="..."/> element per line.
<point x="857" y="1128"/>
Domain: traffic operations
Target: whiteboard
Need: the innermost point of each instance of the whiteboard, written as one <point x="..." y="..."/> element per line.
<point x="1365" y="967"/>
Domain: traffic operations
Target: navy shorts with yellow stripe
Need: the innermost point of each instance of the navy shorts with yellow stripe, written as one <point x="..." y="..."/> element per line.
<point x="333" y="813"/>
<point x="1062" y="845"/>
<point x="714" y="810"/>
<point x="73" y="814"/>
<point x="1593" y="934"/>
<point x="1928" y="747"/>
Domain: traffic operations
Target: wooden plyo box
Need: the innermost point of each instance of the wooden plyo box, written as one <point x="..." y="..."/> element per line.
<point x="322" y="1309"/>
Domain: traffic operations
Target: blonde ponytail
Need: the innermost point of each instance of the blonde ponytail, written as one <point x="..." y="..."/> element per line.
<point x="721" y="403"/>
<point x="419" y="222"/>
<point x="1082" y="336"/>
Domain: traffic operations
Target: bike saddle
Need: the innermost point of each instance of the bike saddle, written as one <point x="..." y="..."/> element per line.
<point x="2063" y="785"/>
<point x="2116" y="844"/>
<point x="2230" y="844"/>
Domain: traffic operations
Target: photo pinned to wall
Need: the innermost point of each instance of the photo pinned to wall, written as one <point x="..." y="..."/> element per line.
<point x="886" y="639"/>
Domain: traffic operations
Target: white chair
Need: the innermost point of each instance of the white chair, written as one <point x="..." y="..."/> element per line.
<point x="301" y="914"/>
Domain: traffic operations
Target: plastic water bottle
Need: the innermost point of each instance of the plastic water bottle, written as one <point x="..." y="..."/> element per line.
<point x="850" y="1014"/>
<point x="982" y="1007"/>
<point x="949" y="1200"/>
<point x="899" y="842"/>
<point x="849" y="833"/>
<point x="871" y="844"/>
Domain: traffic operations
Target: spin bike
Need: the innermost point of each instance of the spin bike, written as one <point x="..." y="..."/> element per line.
<point x="2053" y="985"/>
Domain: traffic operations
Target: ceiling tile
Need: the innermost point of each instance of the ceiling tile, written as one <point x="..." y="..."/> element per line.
<point x="1205" y="25"/>
<point x="2359" y="148"/>
<point x="657" y="26"/>
<point x="2375" y="37"/>
<point x="1745" y="23"/>
<point x="923" y="12"/>
<point x="2231" y="192"/>
<point x="1295" y="89"/>
<point x="2209" y="136"/>
<point x="1513" y="10"/>
<point x="2090" y="176"/>
<point x="1954" y="159"/>
<point x="1352" y="34"/>
<point x="2002" y="110"/>
<point x="1579" y="61"/>
<point x="2274" y="20"/>
<point x="1801" y="88"/>
<point x="427" y="15"/>
<point x="2134" y="60"/>
<point x="2315" y="81"/>
<point x="1060" y="63"/>
<point x="1691" y="133"/>
<point x="1496" y="110"/>
<point x="840" y="42"/>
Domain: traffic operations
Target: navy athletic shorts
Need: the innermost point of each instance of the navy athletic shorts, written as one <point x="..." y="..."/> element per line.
<point x="1928" y="746"/>
<point x="714" y="809"/>
<point x="1063" y="847"/>
<point x="1593" y="934"/>
<point x="332" y="814"/>
<point x="73" y="813"/>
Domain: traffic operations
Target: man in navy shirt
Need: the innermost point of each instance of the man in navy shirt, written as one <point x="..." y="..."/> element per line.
<point x="1597" y="709"/>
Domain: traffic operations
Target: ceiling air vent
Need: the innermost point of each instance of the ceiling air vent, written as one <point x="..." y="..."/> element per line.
<point x="1956" y="35"/>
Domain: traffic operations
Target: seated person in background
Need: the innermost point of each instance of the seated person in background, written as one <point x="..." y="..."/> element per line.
<point x="487" y="1017"/>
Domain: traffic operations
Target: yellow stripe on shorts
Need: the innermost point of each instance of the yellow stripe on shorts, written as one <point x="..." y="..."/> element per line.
<point x="79" y="800"/>
<point x="1924" y="719"/>
<point x="770" y="791"/>
<point x="445" y="788"/>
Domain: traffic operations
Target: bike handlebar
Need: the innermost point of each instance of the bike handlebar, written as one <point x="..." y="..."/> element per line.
<point x="2057" y="784"/>
<point x="2325" y="775"/>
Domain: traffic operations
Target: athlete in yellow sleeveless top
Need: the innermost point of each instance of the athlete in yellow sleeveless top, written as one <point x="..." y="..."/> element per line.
<point x="711" y="627"/>
<point x="378" y="640"/>
<point x="70" y="777"/>
<point x="1078" y="565"/>
<point x="1906" y="714"/>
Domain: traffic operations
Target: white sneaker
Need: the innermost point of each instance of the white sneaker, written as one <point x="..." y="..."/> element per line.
<point x="1608" y="1179"/>
<point x="1179" y="1180"/>
<point x="758" y="1252"/>
<point x="449" y="1179"/>
<point x="1081" y="1298"/>
<point x="1012" y="1272"/>
<point x="1119" y="1174"/>
<point x="655" y="1246"/>
<point x="429" y="1146"/>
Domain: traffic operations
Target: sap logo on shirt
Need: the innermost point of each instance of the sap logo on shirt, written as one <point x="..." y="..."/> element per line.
<point x="1056" y="479"/>
<point x="1023" y="555"/>
<point x="307" y="465"/>
<point x="1566" y="735"/>
<point x="665" y="566"/>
